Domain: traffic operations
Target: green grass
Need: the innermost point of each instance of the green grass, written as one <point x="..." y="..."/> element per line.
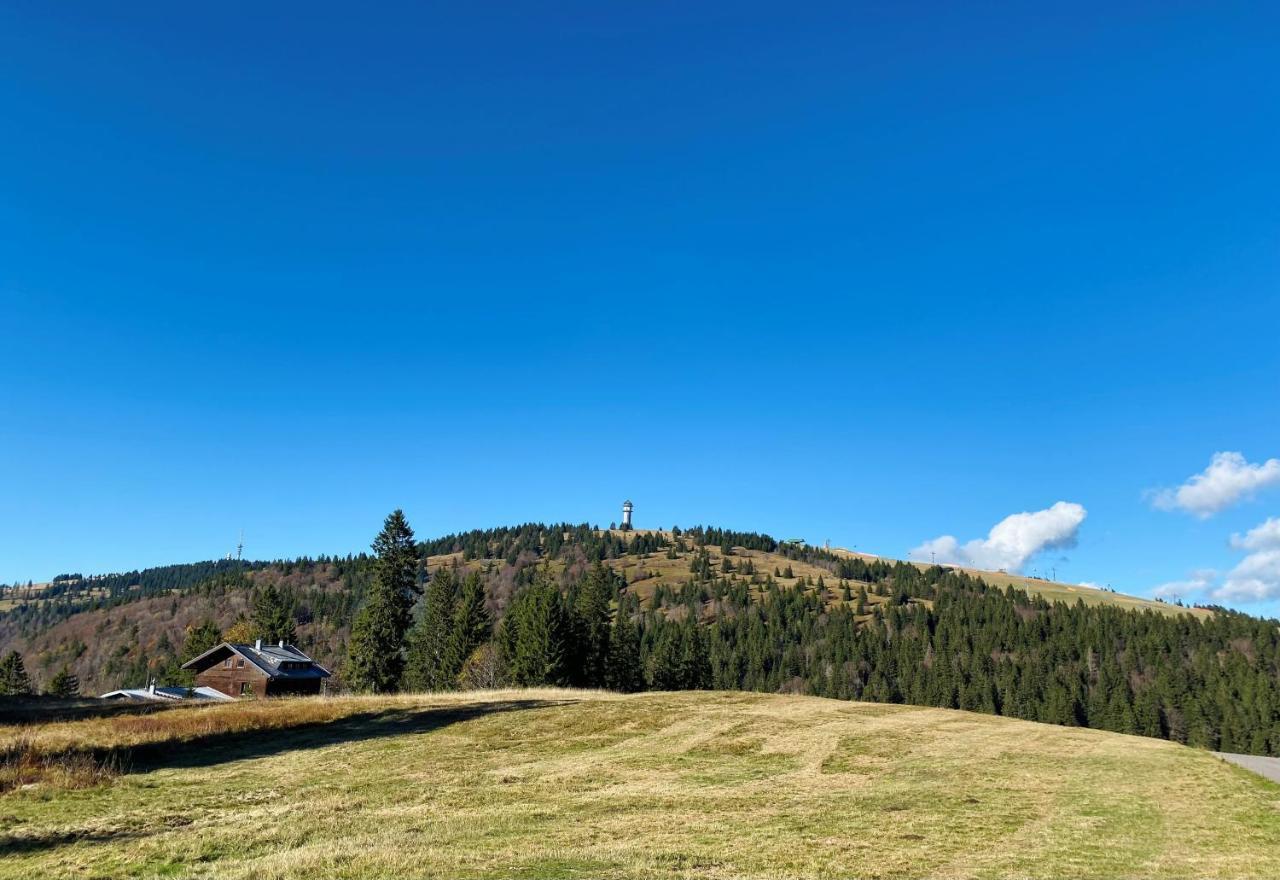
<point x="539" y="784"/>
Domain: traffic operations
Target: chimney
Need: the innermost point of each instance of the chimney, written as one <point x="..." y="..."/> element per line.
<point x="257" y="646"/>
<point x="282" y="643"/>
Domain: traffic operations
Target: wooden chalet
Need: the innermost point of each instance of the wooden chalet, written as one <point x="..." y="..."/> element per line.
<point x="256" y="670"/>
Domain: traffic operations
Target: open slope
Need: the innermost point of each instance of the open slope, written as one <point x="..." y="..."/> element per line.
<point x="560" y="783"/>
<point x="122" y="645"/>
<point x="674" y="572"/>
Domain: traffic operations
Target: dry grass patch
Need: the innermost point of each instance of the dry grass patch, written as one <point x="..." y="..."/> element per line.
<point x="66" y="754"/>
<point x="708" y="785"/>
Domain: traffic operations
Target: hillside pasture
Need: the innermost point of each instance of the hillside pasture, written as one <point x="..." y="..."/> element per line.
<point x="553" y="783"/>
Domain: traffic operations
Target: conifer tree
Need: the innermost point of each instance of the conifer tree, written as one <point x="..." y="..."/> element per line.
<point x="273" y="616"/>
<point x="623" y="670"/>
<point x="13" y="676"/>
<point x="591" y="624"/>
<point x="662" y="662"/>
<point x="429" y="666"/>
<point x="472" y="623"/>
<point x="375" y="658"/>
<point x="534" y="634"/>
<point x="695" y="672"/>
<point x="65" y="684"/>
<point x="199" y="639"/>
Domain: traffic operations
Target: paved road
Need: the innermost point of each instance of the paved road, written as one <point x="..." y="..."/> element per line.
<point x="1268" y="767"/>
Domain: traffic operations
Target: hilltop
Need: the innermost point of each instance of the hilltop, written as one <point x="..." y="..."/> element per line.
<point x="553" y="783"/>
<point x="117" y="630"/>
<point x="712" y="608"/>
<point x="67" y="608"/>
<point x="672" y="573"/>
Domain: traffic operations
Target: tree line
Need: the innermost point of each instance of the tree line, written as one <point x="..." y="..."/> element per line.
<point x="933" y="637"/>
<point x="548" y="636"/>
<point x="503" y="613"/>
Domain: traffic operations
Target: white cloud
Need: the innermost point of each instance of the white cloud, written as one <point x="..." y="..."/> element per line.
<point x="1262" y="537"/>
<point x="1256" y="577"/>
<point x="1012" y="541"/>
<point x="1228" y="478"/>
<point x="1199" y="582"/>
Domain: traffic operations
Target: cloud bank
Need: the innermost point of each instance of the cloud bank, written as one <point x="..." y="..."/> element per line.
<point x="1011" y="542"/>
<point x="1200" y="581"/>
<point x="1256" y="578"/>
<point x="1262" y="537"/>
<point x="1229" y="478"/>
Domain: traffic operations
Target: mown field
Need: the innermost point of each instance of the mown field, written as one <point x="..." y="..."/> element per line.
<point x="553" y="783"/>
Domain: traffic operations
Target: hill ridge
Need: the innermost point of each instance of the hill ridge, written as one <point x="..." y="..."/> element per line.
<point x="718" y="608"/>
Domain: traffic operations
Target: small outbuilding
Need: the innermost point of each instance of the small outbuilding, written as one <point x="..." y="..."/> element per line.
<point x="153" y="693"/>
<point x="256" y="670"/>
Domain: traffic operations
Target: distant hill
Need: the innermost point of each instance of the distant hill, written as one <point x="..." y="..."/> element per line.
<point x="814" y="562"/>
<point x="725" y="609"/>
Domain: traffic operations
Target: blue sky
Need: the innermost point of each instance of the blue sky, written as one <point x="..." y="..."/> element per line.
<point x="873" y="274"/>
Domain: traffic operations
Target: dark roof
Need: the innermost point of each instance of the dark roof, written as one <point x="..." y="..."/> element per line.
<point x="267" y="658"/>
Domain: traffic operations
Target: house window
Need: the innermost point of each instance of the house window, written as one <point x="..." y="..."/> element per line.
<point x="239" y="663"/>
<point x="246" y="689"/>
<point x="226" y="664"/>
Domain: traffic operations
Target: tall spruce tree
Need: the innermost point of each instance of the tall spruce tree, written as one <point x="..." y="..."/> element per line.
<point x="472" y="623"/>
<point x="534" y="635"/>
<point x="13" y="676"/>
<point x="623" y="671"/>
<point x="273" y="616"/>
<point x="375" y="652"/>
<point x="591" y="614"/>
<point x="430" y="663"/>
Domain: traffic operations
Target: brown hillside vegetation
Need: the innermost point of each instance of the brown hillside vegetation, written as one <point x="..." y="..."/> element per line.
<point x="553" y="783"/>
<point x="89" y="641"/>
<point x="96" y="642"/>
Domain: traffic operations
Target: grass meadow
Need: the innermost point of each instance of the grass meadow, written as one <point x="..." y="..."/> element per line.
<point x="555" y="783"/>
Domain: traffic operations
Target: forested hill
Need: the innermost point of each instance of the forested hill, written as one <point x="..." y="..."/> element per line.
<point x="702" y="608"/>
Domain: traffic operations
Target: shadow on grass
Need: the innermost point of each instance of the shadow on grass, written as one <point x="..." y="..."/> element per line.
<point x="21" y="845"/>
<point x="44" y="709"/>
<point x="221" y="748"/>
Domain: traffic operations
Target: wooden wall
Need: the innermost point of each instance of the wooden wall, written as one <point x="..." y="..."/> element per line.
<point x="230" y="681"/>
